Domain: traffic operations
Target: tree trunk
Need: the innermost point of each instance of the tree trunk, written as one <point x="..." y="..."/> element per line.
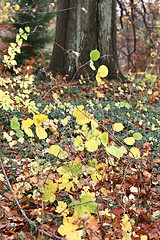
<point x="83" y="26"/>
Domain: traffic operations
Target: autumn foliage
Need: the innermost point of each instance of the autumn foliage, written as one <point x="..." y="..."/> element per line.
<point x="79" y="160"/>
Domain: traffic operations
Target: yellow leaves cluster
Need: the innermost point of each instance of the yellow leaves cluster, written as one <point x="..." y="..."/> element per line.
<point x="7" y="11"/>
<point x="126" y="225"/>
<point x="37" y="120"/>
<point x="5" y="101"/>
<point x="62" y="208"/>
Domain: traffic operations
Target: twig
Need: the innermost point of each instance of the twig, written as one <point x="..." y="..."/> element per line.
<point x="22" y="211"/>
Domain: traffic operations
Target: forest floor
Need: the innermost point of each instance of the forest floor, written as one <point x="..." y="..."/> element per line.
<point x="125" y="187"/>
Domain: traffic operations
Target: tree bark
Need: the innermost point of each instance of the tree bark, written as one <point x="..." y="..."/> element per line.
<point x="83" y="26"/>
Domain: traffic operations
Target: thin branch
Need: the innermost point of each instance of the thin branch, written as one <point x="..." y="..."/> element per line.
<point x="121" y="16"/>
<point x="22" y="211"/>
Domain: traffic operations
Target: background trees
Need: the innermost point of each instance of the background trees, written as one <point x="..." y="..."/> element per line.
<point x="81" y="27"/>
<point x="138" y="35"/>
<point x="38" y="15"/>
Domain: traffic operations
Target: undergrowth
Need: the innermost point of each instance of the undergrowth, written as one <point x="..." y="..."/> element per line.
<point x="78" y="160"/>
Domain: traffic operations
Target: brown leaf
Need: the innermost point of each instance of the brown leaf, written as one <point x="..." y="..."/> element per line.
<point x="92" y="228"/>
<point x="3" y="225"/>
<point x="117" y="211"/>
<point x="116" y="222"/>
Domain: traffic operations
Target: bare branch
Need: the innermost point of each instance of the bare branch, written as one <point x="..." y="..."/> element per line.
<point x="22" y="211"/>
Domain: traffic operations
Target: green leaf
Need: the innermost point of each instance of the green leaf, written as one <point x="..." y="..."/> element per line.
<point x="19" y="133"/>
<point x="72" y="170"/>
<point x="86" y="198"/>
<point x="15" y="124"/>
<point x="74" y="202"/>
<point x="94" y="55"/>
<point x="92" y="207"/>
<point x="21" y="31"/>
<point x="127" y="106"/>
<point x="114" y="151"/>
<point x="24" y="36"/>
<point x="75" y="168"/>
<point x="27" y="29"/>
<point x="124" y="104"/>
<point x="49" y="191"/>
<point x="104" y="138"/>
<point x="137" y="136"/>
<point x="20" y="236"/>
<point x="85" y="208"/>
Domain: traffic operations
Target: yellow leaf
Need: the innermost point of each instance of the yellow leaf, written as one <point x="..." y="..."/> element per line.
<point x="62" y="208"/>
<point x="144" y="237"/>
<point x="63" y="154"/>
<point x="16" y="7"/>
<point x="65" y="120"/>
<point x="39" y="119"/>
<point x="49" y="190"/>
<point x="94" y="124"/>
<point x="107" y="213"/>
<point x="6" y="208"/>
<point x="134" y="152"/>
<point x="99" y="80"/>
<point x="123" y="149"/>
<point x="52" y="4"/>
<point x="84" y="10"/>
<point x="73" y="236"/>
<point x="104" y="138"/>
<point x="57" y="151"/>
<point x="126" y="225"/>
<point x="82" y="116"/>
<point x="129" y="140"/>
<point x="117" y="127"/>
<point x="27" y="123"/>
<point x="41" y="133"/>
<point x="67" y="227"/>
<point x="78" y="143"/>
<point x="126" y="237"/>
<point x="29" y="132"/>
<point x="91" y="145"/>
<point x="12" y="20"/>
<point x="13" y="62"/>
<point x="103" y="71"/>
<point x="104" y="191"/>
